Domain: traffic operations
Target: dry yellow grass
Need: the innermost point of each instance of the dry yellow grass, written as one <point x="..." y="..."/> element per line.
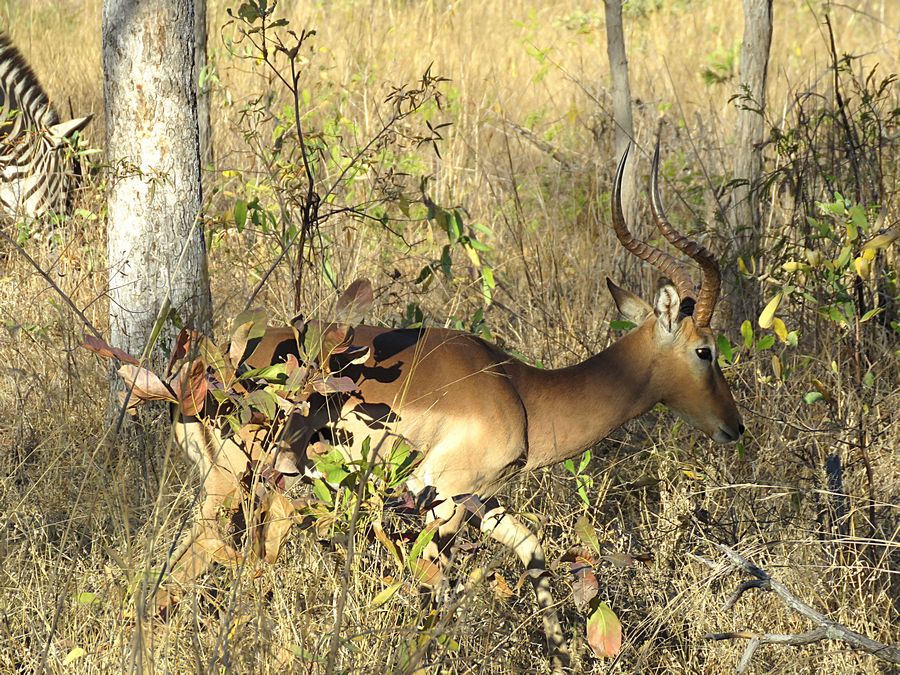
<point x="83" y="520"/>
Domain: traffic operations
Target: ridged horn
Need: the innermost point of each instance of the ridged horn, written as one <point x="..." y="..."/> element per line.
<point x="666" y="264"/>
<point x="712" y="279"/>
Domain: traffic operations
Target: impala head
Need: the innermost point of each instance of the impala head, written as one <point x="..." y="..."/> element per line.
<point x="676" y="331"/>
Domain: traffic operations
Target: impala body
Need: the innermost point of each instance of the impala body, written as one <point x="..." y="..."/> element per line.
<point x="479" y="415"/>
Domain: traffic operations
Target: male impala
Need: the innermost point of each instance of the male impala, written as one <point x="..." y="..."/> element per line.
<point x="480" y="416"/>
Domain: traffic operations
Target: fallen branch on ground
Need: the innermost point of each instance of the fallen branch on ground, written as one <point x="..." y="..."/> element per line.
<point x="826" y="629"/>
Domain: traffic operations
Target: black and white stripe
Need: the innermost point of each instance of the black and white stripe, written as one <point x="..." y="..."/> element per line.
<point x="35" y="175"/>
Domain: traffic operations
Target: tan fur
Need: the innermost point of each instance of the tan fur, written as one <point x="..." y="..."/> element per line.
<point x="479" y="415"/>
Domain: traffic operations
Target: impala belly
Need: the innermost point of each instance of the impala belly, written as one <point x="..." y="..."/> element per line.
<point x="453" y="403"/>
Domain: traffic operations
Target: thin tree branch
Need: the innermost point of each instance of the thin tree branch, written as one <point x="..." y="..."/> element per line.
<point x="826" y="629"/>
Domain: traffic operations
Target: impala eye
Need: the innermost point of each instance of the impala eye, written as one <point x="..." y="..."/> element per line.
<point x="705" y="353"/>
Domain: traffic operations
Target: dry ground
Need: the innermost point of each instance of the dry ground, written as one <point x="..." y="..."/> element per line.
<point x="83" y="518"/>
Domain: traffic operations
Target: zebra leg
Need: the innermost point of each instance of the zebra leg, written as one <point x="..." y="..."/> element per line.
<point x="509" y="531"/>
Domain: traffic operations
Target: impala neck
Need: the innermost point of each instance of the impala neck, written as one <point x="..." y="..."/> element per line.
<point x="573" y="408"/>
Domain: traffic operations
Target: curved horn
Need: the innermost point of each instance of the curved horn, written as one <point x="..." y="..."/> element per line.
<point x="712" y="279"/>
<point x="662" y="261"/>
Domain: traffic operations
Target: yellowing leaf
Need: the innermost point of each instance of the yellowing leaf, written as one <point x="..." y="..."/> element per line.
<point x="813" y="257"/>
<point x="777" y="367"/>
<point x="604" y="631"/>
<point x="768" y="314"/>
<point x="881" y="241"/>
<point x="73" y="655"/>
<point x="795" y="266"/>
<point x="863" y="267"/>
<point x="742" y="266"/>
<point x="780" y="329"/>
<point x="386" y="594"/>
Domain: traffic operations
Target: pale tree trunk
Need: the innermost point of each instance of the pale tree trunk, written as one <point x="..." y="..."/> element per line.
<point x="155" y="243"/>
<point x="622" y="113"/>
<point x="746" y="225"/>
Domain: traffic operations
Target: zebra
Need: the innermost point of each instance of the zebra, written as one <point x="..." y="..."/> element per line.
<point x="34" y="176"/>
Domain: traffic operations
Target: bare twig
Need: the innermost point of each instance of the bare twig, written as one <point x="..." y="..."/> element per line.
<point x="826" y="629"/>
<point x="21" y="251"/>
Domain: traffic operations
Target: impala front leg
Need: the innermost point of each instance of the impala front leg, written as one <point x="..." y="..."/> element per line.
<point x="506" y="529"/>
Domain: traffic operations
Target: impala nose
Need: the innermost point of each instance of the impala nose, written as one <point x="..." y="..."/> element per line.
<point x="740" y="429"/>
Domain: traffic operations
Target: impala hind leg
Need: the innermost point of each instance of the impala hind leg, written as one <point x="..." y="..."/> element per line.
<point x="509" y="531"/>
<point x="439" y="551"/>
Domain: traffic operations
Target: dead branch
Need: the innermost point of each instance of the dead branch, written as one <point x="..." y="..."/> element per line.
<point x="566" y="160"/>
<point x="826" y="629"/>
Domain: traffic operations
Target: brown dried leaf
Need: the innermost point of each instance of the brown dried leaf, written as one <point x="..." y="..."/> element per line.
<point x="277" y="521"/>
<point x="218" y="550"/>
<point x="247" y="326"/>
<point x="620" y="559"/>
<point x="217" y="360"/>
<point x="501" y="589"/>
<point x="385" y="541"/>
<point x="355" y="302"/>
<point x="104" y="350"/>
<point x="144" y="384"/>
<point x="427" y="573"/>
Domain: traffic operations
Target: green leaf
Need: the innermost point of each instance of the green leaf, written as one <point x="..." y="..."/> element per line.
<point x="765" y="342"/>
<point x="869" y="379"/>
<point x="264" y="402"/>
<point x="586" y="533"/>
<point x="333" y="466"/>
<point x="812" y="396"/>
<point x="621" y="324"/>
<point x="747" y="333"/>
<point x="723" y="345"/>
<point x="843" y="258"/>
<point x="857" y="223"/>
<point x="424" y="538"/>
<point x="240" y="214"/>
<point x="871" y="313"/>
<point x="322" y="492"/>
<point x="276" y="373"/>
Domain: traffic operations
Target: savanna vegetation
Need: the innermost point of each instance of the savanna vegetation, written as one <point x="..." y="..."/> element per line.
<point x="463" y="155"/>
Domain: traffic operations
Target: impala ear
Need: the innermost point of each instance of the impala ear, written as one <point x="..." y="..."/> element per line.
<point x="631" y="306"/>
<point x="668" y="309"/>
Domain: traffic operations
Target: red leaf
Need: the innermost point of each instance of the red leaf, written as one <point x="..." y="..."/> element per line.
<point x="194" y="388"/>
<point x="585" y="586"/>
<point x="604" y="632"/>
<point x="355" y="301"/>
<point x="104" y="350"/>
<point x="472" y="504"/>
<point x="334" y="385"/>
<point x="182" y="347"/>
